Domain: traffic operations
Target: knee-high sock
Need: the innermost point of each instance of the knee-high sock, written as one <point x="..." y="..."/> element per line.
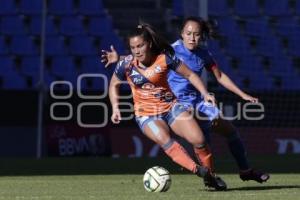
<point x="238" y="151"/>
<point x="204" y="156"/>
<point x="178" y="154"/>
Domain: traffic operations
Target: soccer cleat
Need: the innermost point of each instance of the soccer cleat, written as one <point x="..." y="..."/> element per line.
<point x="213" y="181"/>
<point x="255" y="175"/>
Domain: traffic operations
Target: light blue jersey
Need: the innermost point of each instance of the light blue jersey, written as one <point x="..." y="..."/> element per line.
<point x="185" y="92"/>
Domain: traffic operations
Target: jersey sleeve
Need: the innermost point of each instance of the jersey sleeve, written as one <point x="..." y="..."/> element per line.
<point x="173" y="62"/>
<point x="120" y="70"/>
<point x="210" y="62"/>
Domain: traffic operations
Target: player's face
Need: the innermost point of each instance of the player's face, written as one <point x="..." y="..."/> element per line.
<point x="140" y="49"/>
<point x="191" y="35"/>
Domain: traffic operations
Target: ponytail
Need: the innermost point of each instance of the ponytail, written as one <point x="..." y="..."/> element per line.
<point x="148" y="33"/>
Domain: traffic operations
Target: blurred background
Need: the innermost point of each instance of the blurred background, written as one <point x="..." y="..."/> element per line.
<point x="53" y="85"/>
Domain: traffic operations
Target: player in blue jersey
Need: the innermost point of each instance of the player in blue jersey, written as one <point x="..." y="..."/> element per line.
<point x="194" y="31"/>
<point x="188" y="49"/>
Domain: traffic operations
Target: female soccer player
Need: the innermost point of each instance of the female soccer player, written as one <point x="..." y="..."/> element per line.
<point x="156" y="108"/>
<point x="194" y="31"/>
<point x="188" y="49"/>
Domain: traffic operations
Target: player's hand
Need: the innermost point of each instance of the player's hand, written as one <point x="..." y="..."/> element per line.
<point x="116" y="116"/>
<point x="250" y="98"/>
<point x="109" y="57"/>
<point x="210" y="99"/>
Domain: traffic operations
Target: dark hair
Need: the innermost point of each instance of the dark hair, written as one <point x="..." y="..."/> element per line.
<point x="208" y="28"/>
<point x="148" y="33"/>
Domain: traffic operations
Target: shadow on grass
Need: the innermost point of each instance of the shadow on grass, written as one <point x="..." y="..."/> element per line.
<point x="275" y="187"/>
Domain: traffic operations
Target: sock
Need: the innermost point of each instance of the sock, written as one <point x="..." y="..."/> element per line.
<point x="206" y="128"/>
<point x="238" y="151"/>
<point x="204" y="156"/>
<point x="178" y="154"/>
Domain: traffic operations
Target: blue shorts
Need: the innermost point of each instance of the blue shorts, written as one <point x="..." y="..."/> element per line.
<point x="206" y="111"/>
<point x="168" y="117"/>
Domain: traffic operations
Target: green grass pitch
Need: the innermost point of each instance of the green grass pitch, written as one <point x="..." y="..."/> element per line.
<point x="121" y="179"/>
<point x="110" y="187"/>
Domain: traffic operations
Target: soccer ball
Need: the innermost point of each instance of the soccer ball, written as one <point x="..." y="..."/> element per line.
<point x="157" y="179"/>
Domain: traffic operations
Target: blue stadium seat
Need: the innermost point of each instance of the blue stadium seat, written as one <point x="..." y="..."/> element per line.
<point x="23" y="45"/>
<point x="3" y="46"/>
<point x="237" y="45"/>
<point x="297" y="8"/>
<point x="61" y="7"/>
<point x="55" y="45"/>
<point x="7" y="65"/>
<point x="226" y="25"/>
<point x="31" y="7"/>
<point x="269" y="46"/>
<point x="276" y="8"/>
<point x="114" y="40"/>
<point x="91" y="64"/>
<point x="81" y="45"/>
<point x="293" y="45"/>
<point x="257" y="28"/>
<point x="218" y="8"/>
<point x="8" y="7"/>
<point x="214" y="47"/>
<point x="223" y="62"/>
<point x="100" y="26"/>
<point x="246" y="8"/>
<point x="14" y="81"/>
<point x="35" y="27"/>
<point x="12" y="25"/>
<point x="281" y="65"/>
<point x="261" y="82"/>
<point x="249" y="64"/>
<point x="91" y="7"/>
<point x="177" y="8"/>
<point x="71" y="25"/>
<point x="62" y="65"/>
<point x="30" y="66"/>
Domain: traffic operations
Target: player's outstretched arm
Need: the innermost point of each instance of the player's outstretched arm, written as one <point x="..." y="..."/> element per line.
<point x="225" y="81"/>
<point x="196" y="82"/>
<point x="110" y="57"/>
<point x="114" y="99"/>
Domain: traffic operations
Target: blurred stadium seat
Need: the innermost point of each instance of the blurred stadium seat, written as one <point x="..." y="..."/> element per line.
<point x="91" y="7"/>
<point x="61" y="7"/>
<point x="31" y="7"/>
<point x="8" y="7"/>
<point x="246" y="8"/>
<point x="276" y="8"/>
<point x="218" y="8"/>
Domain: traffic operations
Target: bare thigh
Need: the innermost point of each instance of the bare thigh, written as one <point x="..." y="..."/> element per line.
<point x="187" y="127"/>
<point x="158" y="131"/>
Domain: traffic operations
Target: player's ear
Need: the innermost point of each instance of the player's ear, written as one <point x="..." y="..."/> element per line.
<point x="150" y="45"/>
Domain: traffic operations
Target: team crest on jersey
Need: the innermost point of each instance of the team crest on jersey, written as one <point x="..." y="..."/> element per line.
<point x="157" y="69"/>
<point x="148" y="86"/>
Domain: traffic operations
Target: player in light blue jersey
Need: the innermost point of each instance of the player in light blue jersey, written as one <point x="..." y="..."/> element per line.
<point x="188" y="49"/>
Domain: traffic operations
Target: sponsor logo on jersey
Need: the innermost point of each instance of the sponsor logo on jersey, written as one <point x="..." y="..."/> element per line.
<point x="133" y="73"/>
<point x="148" y="86"/>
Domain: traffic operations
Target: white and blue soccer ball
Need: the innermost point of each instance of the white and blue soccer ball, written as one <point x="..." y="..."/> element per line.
<point x="157" y="179"/>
